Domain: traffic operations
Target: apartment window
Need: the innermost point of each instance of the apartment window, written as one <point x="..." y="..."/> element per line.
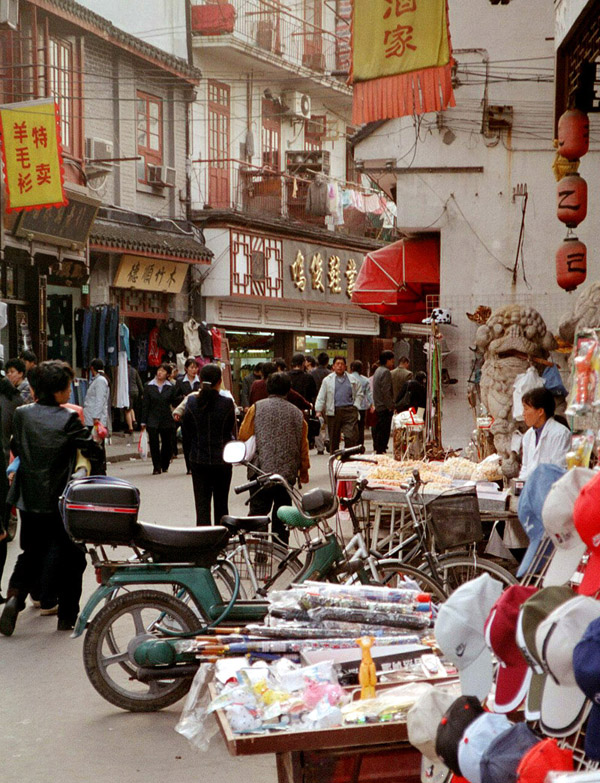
<point x="61" y="72"/>
<point x="149" y="133"/>
<point x="314" y="132"/>
<point x="271" y="134"/>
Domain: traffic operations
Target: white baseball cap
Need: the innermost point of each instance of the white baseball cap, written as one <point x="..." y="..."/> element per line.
<point x="459" y="633"/>
<point x="476" y="740"/>
<point x="557" y="516"/>
<point x="423" y="719"/>
<point x="564" y="706"/>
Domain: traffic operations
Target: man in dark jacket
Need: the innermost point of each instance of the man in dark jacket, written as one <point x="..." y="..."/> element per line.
<point x="302" y="381"/>
<point x="320" y="372"/>
<point x="46" y="439"/>
<point x="248" y="380"/>
<point x="383" y="399"/>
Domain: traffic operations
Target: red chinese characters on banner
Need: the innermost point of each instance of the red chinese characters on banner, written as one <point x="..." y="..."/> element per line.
<point x="398" y="40"/>
<point x="31" y="155"/>
<point x="399" y="7"/>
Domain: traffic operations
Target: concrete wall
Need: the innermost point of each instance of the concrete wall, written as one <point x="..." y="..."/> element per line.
<point x="477" y="217"/>
<point x="160" y="22"/>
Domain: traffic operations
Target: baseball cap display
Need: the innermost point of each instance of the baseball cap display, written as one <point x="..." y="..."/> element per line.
<point x="513" y="673"/>
<point x="532" y="613"/>
<point x="531" y="501"/>
<point x="500" y="761"/>
<point x="459" y="633"/>
<point x="423" y="719"/>
<point x="557" y="516"/>
<point x="476" y="740"/>
<point x="586" y="667"/>
<point x="457" y="717"/>
<point x="542" y="758"/>
<point x="587" y="523"/>
<point x="563" y="703"/>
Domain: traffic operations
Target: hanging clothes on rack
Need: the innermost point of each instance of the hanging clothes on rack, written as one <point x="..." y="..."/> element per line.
<point x="206" y="341"/>
<point x="192" y="337"/>
<point x="171" y="336"/>
<point x="217" y="340"/>
<point x="154" y="351"/>
<point x="122" y="400"/>
<point x="124" y="344"/>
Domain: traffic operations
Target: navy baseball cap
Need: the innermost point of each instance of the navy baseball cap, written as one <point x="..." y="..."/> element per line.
<point x="500" y="761"/>
<point x="586" y="666"/>
<point x="531" y="502"/>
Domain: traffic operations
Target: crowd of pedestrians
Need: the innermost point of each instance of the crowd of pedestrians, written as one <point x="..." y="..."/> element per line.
<point x="283" y="414"/>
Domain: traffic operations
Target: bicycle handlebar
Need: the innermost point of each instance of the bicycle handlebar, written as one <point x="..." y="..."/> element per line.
<point x="345" y="454"/>
<point x="246" y="487"/>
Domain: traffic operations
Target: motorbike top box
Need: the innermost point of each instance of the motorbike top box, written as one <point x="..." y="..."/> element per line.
<point x="101" y="510"/>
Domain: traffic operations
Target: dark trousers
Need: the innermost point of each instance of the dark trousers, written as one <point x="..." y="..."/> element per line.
<point x="362" y="415"/>
<point x="381" y="431"/>
<point x="260" y="506"/>
<point x="51" y="561"/>
<point x="3" y="548"/>
<point x="211" y="482"/>
<point x="160" y="441"/>
<point x="345" y="421"/>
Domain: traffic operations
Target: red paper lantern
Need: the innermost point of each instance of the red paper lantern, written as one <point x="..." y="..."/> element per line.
<point x="573" y="134"/>
<point x="571" y="200"/>
<point x="571" y="264"/>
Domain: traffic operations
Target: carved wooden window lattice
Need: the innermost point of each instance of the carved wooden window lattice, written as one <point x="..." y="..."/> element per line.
<point x="256" y="265"/>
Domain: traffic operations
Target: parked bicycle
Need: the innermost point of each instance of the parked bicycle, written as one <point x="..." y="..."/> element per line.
<point x="448" y="521"/>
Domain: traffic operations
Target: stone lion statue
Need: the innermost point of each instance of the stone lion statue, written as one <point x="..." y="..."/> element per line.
<point x="508" y="339"/>
<point x="584" y="315"/>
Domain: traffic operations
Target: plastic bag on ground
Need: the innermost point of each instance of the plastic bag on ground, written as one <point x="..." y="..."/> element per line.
<point x="195" y="723"/>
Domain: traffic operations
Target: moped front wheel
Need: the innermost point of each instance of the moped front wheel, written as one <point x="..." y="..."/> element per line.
<point x="108" y="659"/>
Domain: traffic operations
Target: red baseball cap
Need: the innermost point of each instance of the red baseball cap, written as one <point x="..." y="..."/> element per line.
<point x="513" y="673"/>
<point x="586" y="518"/>
<point x="542" y="758"/>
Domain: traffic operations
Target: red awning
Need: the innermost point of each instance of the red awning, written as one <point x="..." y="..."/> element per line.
<point x="395" y="280"/>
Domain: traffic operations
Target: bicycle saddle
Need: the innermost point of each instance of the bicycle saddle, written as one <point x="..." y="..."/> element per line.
<point x="291" y="517"/>
<point x="199" y="545"/>
<point x="245" y="524"/>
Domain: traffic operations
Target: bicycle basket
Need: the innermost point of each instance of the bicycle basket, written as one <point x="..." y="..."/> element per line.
<point x="454" y="519"/>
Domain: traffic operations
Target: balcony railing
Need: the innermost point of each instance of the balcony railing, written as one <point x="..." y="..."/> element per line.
<point x="270" y="29"/>
<point x="265" y="193"/>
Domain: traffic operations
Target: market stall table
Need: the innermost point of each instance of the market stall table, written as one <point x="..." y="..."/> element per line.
<point x="378" y="753"/>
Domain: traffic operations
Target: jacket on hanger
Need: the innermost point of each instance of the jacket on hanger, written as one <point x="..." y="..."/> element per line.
<point x="170" y="336"/>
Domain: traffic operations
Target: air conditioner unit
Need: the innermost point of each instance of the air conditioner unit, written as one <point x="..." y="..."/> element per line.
<point x="162" y="176"/>
<point x="298" y="104"/>
<point x="99" y="153"/>
<point x="9" y="13"/>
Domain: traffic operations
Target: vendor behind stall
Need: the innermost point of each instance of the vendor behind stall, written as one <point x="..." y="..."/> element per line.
<point x="547" y="440"/>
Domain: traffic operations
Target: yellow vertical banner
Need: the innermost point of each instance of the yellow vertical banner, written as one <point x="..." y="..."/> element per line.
<point x="401" y="58"/>
<point x="32" y="155"/>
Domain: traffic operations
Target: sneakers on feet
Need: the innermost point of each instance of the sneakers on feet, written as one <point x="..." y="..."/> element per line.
<point x="48" y="612"/>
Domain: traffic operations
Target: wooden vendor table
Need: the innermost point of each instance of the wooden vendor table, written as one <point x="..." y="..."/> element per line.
<point x="379" y="753"/>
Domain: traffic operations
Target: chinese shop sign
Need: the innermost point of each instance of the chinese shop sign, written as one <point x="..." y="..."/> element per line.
<point x="32" y="155"/>
<point x="401" y="58"/>
<point x="150" y="274"/>
<point x="326" y="274"/>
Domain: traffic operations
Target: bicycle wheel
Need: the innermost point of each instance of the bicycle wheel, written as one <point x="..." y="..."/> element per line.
<point x="393" y="573"/>
<point x="454" y="570"/>
<point x="274" y="566"/>
<point x="106" y="656"/>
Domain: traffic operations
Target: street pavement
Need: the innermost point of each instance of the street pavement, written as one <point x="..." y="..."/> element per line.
<point x="55" y="728"/>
